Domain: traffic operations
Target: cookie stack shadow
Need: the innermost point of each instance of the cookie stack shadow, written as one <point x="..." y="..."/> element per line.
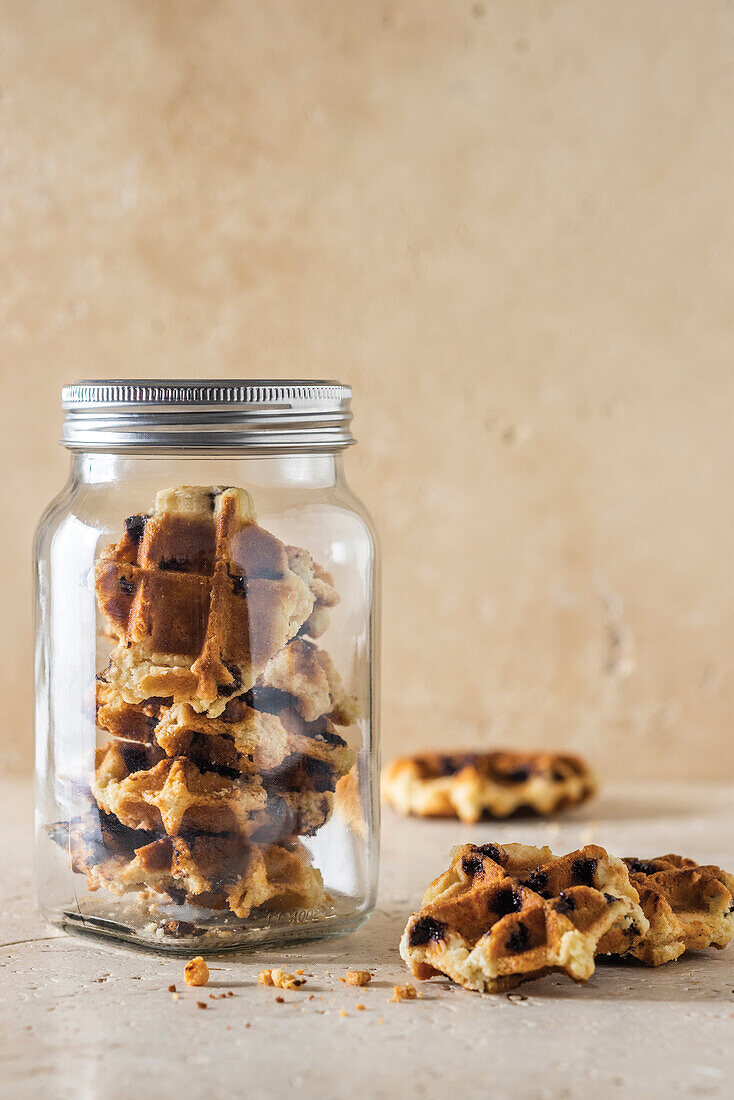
<point x="218" y="716"/>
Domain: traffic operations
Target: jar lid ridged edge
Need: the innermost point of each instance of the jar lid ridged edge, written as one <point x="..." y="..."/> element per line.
<point x="153" y="391"/>
<point x="236" y="415"/>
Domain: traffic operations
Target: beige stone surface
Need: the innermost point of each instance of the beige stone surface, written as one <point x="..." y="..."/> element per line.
<point x="508" y="223"/>
<point x="79" y="1019"/>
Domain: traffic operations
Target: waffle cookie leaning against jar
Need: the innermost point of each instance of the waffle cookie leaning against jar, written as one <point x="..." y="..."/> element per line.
<point x="221" y="713"/>
<point x="490" y="784"/>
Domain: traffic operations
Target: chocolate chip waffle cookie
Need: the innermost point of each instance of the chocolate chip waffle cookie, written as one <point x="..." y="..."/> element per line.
<point x="242" y="741"/>
<point x="134" y="722"/>
<point x="199" y="597"/>
<point x="321" y="583"/>
<point x="214" y="872"/>
<point x="145" y="789"/>
<point x="688" y="907"/>
<point x="291" y="813"/>
<point x="307" y="675"/>
<point x="350" y="806"/>
<point x="502" y="915"/>
<point x="472" y="785"/>
<point x="256" y="741"/>
<point x="96" y="837"/>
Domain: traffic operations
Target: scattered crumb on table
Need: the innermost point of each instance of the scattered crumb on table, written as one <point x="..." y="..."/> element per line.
<point x="357" y="977"/>
<point x="404" y="992"/>
<point x="196" y="971"/>
<point x="280" y="979"/>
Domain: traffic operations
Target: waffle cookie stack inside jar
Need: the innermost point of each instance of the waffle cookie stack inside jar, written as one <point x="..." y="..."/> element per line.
<point x="228" y="797"/>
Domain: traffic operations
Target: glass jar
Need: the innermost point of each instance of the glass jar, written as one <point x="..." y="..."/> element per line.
<point x="206" y="668"/>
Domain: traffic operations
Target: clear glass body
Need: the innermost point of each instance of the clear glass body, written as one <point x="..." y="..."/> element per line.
<point x="179" y="819"/>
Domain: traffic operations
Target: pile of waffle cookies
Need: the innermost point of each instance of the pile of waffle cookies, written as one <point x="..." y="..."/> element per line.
<point x="501" y="915"/>
<point x="218" y="715"/>
<point x="504" y="914"/>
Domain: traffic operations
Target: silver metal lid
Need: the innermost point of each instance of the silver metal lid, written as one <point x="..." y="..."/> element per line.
<point x="236" y="415"/>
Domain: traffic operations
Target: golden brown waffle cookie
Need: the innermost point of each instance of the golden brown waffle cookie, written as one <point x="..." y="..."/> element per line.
<point x="291" y="754"/>
<point x="321" y="584"/>
<point x="255" y="741"/>
<point x="199" y="597"/>
<point x="349" y="803"/>
<point x="502" y="915"/>
<point x="97" y="837"/>
<point x="145" y="789"/>
<point x="689" y="907"/>
<point x="275" y="878"/>
<point x="134" y="722"/>
<point x="472" y="785"/>
<point x="208" y="871"/>
<point x="307" y="674"/>
<point x="292" y="813"/>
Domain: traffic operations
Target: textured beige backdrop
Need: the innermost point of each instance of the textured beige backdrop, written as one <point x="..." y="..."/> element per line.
<point x="508" y="224"/>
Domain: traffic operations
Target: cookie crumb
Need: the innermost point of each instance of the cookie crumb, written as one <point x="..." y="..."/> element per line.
<point x="174" y="996"/>
<point x="280" y="978"/>
<point x="201" y="1004"/>
<point x="279" y="1000"/>
<point x="172" y="989"/>
<point x="343" y="1012"/>
<point x="196" y="971"/>
<point x="360" y="1008"/>
<point x="404" y="992"/>
<point x="381" y="1020"/>
<point x="357" y="977"/>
